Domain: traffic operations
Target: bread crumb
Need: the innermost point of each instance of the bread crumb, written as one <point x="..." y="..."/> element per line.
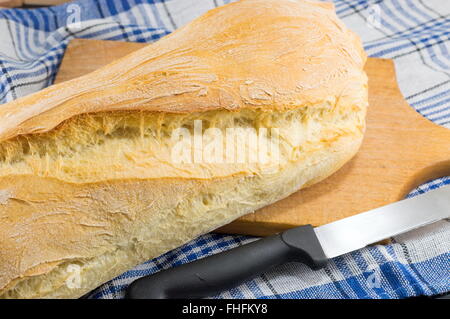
<point x="4" y="196"/>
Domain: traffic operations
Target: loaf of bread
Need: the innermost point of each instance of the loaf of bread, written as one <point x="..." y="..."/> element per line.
<point x="88" y="179"/>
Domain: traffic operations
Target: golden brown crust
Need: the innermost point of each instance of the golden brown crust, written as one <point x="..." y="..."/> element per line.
<point x="286" y="54"/>
<point x="72" y="196"/>
<point x="109" y="227"/>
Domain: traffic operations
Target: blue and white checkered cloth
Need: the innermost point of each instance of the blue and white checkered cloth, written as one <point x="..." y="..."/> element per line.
<point x="415" y="33"/>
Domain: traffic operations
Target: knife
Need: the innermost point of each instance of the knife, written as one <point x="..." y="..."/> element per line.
<point x="305" y="244"/>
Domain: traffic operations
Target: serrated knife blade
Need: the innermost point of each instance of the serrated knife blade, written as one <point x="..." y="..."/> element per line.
<point x="358" y="231"/>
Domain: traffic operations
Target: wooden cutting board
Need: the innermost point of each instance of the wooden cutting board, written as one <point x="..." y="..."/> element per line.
<point x="400" y="151"/>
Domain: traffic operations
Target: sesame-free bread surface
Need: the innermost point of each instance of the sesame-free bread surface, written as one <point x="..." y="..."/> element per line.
<point x="87" y="177"/>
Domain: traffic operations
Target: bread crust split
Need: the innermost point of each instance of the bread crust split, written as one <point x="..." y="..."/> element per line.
<point x="86" y="178"/>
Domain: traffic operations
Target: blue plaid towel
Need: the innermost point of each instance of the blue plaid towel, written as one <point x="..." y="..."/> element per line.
<point x="415" y="33"/>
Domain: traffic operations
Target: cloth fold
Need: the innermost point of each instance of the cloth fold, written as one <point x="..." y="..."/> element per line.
<point x="414" y="33"/>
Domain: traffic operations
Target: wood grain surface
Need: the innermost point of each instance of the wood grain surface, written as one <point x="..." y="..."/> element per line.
<point x="19" y="3"/>
<point x="400" y="151"/>
<point x="10" y="3"/>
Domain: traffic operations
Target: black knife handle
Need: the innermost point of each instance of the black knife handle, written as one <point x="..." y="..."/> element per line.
<point x="213" y="274"/>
